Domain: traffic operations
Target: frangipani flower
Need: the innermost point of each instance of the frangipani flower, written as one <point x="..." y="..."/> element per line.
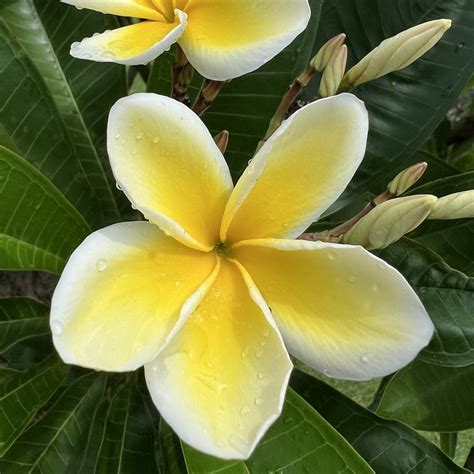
<point x="222" y="39"/>
<point x="207" y="294"/>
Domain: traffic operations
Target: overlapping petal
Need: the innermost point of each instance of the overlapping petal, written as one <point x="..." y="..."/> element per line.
<point x="123" y="292"/>
<point x="221" y="381"/>
<point x="145" y="9"/>
<point x="340" y="309"/>
<point x="299" y="172"/>
<point x="229" y="38"/>
<point x="134" y="44"/>
<point x="168" y="165"/>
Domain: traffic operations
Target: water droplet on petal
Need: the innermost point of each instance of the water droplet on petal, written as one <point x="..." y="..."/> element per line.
<point x="57" y="328"/>
<point x="244" y="410"/>
<point x="117" y="135"/>
<point x="351" y="279"/>
<point x="157" y="140"/>
<point x="259" y="354"/>
<point x="139" y="137"/>
<point x="179" y="282"/>
<point x="101" y="265"/>
<point x="365" y="359"/>
<point x="260" y="376"/>
<point x="327" y="373"/>
<point x="259" y="401"/>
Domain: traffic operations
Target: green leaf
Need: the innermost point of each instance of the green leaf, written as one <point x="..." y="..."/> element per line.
<point x="21" y="319"/>
<point x="448" y="296"/>
<point x="170" y="450"/>
<point x="50" y="444"/>
<point x="23" y="393"/>
<point x="127" y="444"/>
<point x="299" y="441"/>
<point x="54" y="107"/>
<point x="39" y="228"/>
<point x="430" y="397"/>
<point x="388" y="446"/>
<point x="452" y="239"/>
<point x="404" y="107"/>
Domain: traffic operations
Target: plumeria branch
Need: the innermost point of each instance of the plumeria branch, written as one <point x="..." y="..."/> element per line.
<point x="209" y="92"/>
<point x="399" y="185"/>
<point x="183" y="73"/>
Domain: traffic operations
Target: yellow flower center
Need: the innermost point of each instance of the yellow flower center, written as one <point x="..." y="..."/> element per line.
<point x="167" y="8"/>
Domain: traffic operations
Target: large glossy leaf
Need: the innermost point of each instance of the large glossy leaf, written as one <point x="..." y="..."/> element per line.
<point x="39" y="227"/>
<point x="388" y="446"/>
<point x="20" y="320"/>
<point x="404" y="107"/>
<point x="448" y="296"/>
<point x="50" y="444"/>
<point x="300" y="441"/>
<point x="23" y="393"/>
<point x="453" y="240"/>
<point x="432" y="398"/>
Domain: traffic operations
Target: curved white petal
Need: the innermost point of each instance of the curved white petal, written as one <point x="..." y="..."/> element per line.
<point x="340" y="310"/>
<point x="124" y="292"/>
<point x="299" y="172"/>
<point x="221" y="382"/>
<point x="229" y="38"/>
<point x="168" y="165"/>
<point x="132" y="45"/>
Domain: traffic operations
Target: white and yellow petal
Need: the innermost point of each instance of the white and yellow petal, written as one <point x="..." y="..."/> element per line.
<point x="131" y="45"/>
<point x="225" y="39"/>
<point x="221" y="382"/>
<point x="123" y="292"/>
<point x="299" y="172"/>
<point x="145" y="9"/>
<point x="340" y="310"/>
<point x="166" y="162"/>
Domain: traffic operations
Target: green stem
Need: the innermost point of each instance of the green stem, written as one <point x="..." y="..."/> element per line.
<point x="448" y="442"/>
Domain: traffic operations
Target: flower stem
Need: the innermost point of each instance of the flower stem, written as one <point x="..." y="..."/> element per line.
<point x="288" y="101"/>
<point x="183" y="74"/>
<point x="209" y="92"/>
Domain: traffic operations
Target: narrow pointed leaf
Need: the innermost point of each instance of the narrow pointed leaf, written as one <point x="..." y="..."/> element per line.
<point x="21" y="319"/>
<point x="23" y="393"/>
<point x="39" y="227"/>
<point x="50" y="444"/>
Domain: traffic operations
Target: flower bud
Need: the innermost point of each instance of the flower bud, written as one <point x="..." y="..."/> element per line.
<point x="406" y="179"/>
<point x="454" y="206"/>
<point x="222" y="140"/>
<point x="397" y="52"/>
<point x="321" y="60"/>
<point x="334" y="73"/>
<point x="390" y="221"/>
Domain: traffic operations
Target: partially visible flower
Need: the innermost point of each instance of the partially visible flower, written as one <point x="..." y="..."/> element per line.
<point x="390" y="221"/>
<point x="205" y="293"/>
<point x="454" y="206"/>
<point x="406" y="179"/>
<point x="222" y="39"/>
<point x="397" y="52"/>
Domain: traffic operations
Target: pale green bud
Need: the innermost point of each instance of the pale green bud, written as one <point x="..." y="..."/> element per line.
<point x="321" y="60"/>
<point x="390" y="221"/>
<point x="454" y="206"/>
<point x="334" y="72"/>
<point x="397" y="52"/>
<point x="406" y="179"/>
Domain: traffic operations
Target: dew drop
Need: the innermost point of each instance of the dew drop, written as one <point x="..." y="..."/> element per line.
<point x="117" y="135"/>
<point x="179" y="282"/>
<point x="288" y="420"/>
<point x="134" y="152"/>
<point x="365" y="359"/>
<point x="244" y="410"/>
<point x="57" y="327"/>
<point x="351" y="279"/>
<point x="157" y="140"/>
<point x="259" y="354"/>
<point x="260" y="376"/>
<point x="101" y="265"/>
<point x="244" y="353"/>
<point x="118" y="186"/>
<point x="327" y="373"/>
<point x="139" y="137"/>
<point x="259" y="401"/>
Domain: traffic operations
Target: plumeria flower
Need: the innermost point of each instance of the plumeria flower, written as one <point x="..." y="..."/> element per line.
<point x="222" y="39"/>
<point x="212" y="292"/>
